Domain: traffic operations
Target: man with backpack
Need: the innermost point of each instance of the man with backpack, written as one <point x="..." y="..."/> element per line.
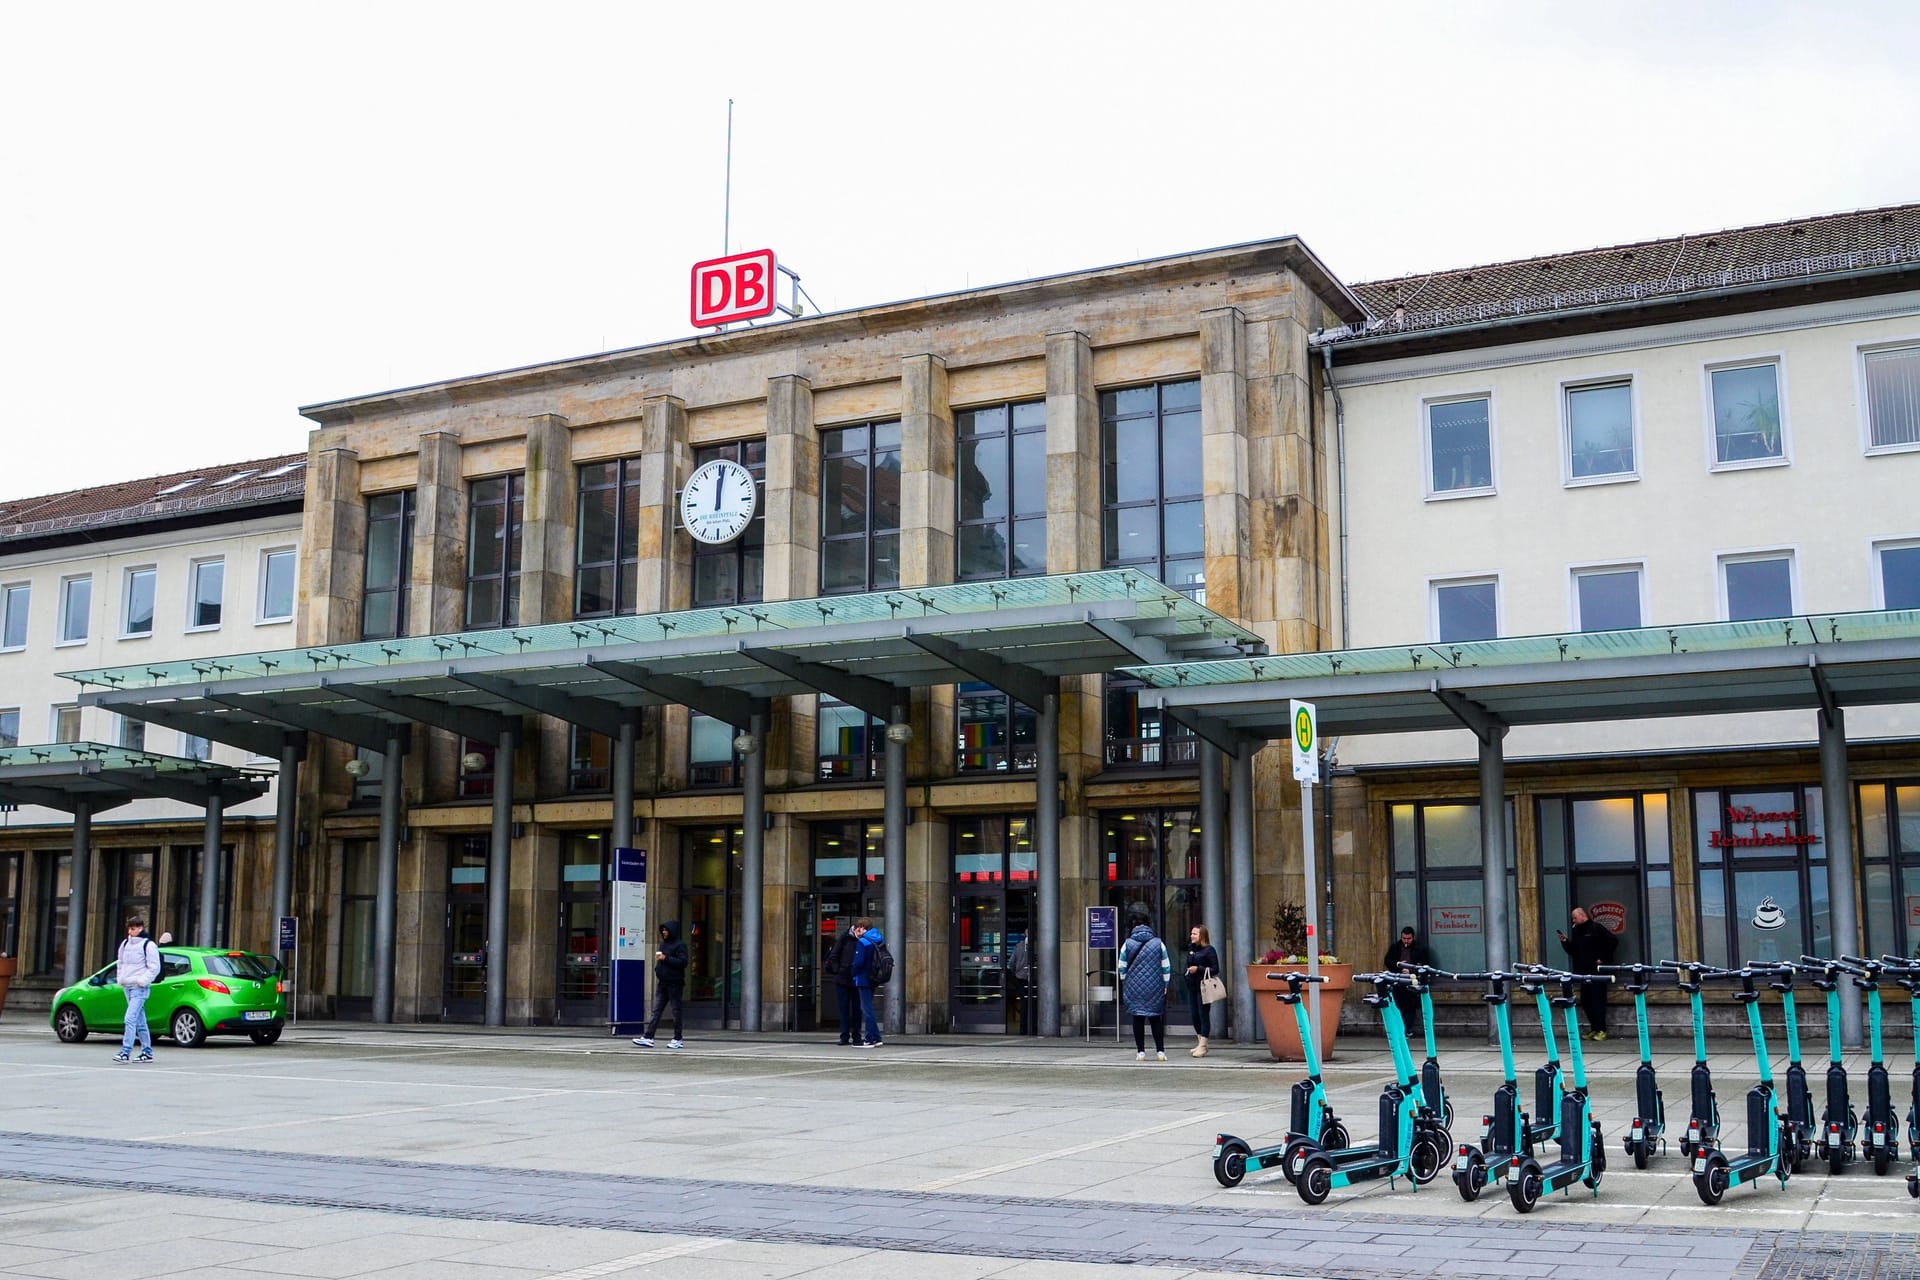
<point x="840" y="969"/>
<point x="136" y="968"/>
<point x="872" y="967"/>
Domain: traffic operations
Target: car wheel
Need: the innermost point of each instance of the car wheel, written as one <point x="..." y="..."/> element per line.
<point x="270" y="1036"/>
<point x="69" y="1025"/>
<point x="188" y="1031"/>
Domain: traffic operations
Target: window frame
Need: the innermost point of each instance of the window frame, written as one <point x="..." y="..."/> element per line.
<point x="130" y="729"/>
<point x="1727" y="864"/>
<point x="1877" y="568"/>
<point x="1434" y="587"/>
<point x="61" y="622"/>
<point x="1175" y="745"/>
<point x="865" y="766"/>
<point x="1010" y="433"/>
<point x="53" y="722"/>
<point x="261" y="618"/>
<point x="1566" y="390"/>
<point x="48" y="906"/>
<point x="1644" y="866"/>
<point x="1860" y="353"/>
<point x="737" y="549"/>
<point x="1155" y="566"/>
<point x="7" y="591"/>
<point x="1012" y="756"/>
<point x="1753" y="556"/>
<point x="867" y="536"/>
<point x="1577" y="571"/>
<point x="1421" y="875"/>
<point x="713" y="774"/>
<point x="626" y="478"/>
<point x="513" y="534"/>
<point x="194" y="568"/>
<point x="403" y="562"/>
<point x="1432" y="491"/>
<point x="126" y="600"/>
<point x="1900" y="864"/>
<point x="15" y="713"/>
<point x="189" y="751"/>
<point x="584" y="775"/>
<point x="1777" y="360"/>
<point x="13" y="893"/>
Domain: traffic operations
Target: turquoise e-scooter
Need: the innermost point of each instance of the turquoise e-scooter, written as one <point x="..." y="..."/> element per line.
<point x="1311" y="1121"/>
<point x="1703" y="1120"/>
<point x="1839" y="1123"/>
<point x="1906" y="973"/>
<point x="1507" y="1131"/>
<point x="1649" y="1127"/>
<point x="1546" y="1078"/>
<point x="1799" y="1113"/>
<point x="1583" y="1152"/>
<point x="1431" y="1089"/>
<point x="1879" y="1128"/>
<point x="1714" y="1172"/>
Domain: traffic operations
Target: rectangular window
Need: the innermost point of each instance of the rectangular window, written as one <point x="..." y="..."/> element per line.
<point x="383" y="608"/>
<point x="1611" y="856"/>
<point x="195" y="748"/>
<point x="133" y="733"/>
<point x="1747" y="425"/>
<point x="495" y="507"/>
<point x="76" y="608"/>
<point x="208" y="579"/>
<point x="997" y="734"/>
<point x="368" y="786"/>
<point x="476" y="768"/>
<point x="1468" y="609"/>
<point x="1150" y="484"/>
<point x="10" y="904"/>
<point x="137" y="620"/>
<point x="1757" y="586"/>
<point x="1600" y="431"/>
<point x="1003" y="490"/>
<point x="849" y="741"/>
<point x="606" y="545"/>
<point x="66" y="724"/>
<point x="9" y="728"/>
<point x="711" y="761"/>
<point x="734" y="572"/>
<point x="14" y="600"/>
<point x="53" y="887"/>
<point x="589" y="760"/>
<point x="1890" y="852"/>
<point x="860" y="508"/>
<point x="1899" y="575"/>
<point x="1139" y="734"/>
<point x="276" y="586"/>
<point x="1436" y="876"/>
<point x="1460" y="446"/>
<point x="1762" y="874"/>
<point x="1607" y="599"/>
<point x="1893" y="398"/>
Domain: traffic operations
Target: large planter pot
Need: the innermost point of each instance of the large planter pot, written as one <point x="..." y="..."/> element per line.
<point x="7" y="964"/>
<point x="1283" y="1032"/>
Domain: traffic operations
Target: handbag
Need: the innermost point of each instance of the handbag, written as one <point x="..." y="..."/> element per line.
<point x="1212" y="989"/>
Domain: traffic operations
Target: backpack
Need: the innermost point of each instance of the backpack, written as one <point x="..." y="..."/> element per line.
<point x="880" y="965"/>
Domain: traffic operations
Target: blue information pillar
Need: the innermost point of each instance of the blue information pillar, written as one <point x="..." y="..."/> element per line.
<point x="632" y="947"/>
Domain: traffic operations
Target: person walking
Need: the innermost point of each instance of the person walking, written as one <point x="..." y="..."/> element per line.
<point x="1590" y="945"/>
<point x="1202" y="961"/>
<point x="1144" y="970"/>
<point x="669" y="984"/>
<point x="136" y="968"/>
<point x="1406" y="950"/>
<point x="840" y="969"/>
<point x="1020" y="965"/>
<point x="866" y="976"/>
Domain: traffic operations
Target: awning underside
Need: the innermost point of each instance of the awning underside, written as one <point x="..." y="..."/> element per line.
<point x="64" y="775"/>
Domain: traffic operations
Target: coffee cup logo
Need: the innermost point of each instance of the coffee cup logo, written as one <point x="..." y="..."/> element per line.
<point x="1768" y="915"/>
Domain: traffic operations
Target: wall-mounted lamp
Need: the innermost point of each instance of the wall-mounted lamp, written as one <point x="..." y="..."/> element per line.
<point x="472" y="762"/>
<point x="899" y="733"/>
<point x="358" y="768"/>
<point x="746" y="744"/>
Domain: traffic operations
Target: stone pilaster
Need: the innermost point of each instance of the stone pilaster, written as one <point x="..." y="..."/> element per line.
<point x="334" y="538"/>
<point x="546" y="533"/>
<point x="1223" y="447"/>
<point x="928" y="930"/>
<point x="927" y="494"/>
<point x="793" y="490"/>
<point x="665" y="579"/>
<point x="437" y="578"/>
<point x="1288" y="519"/>
<point x="1073" y="455"/>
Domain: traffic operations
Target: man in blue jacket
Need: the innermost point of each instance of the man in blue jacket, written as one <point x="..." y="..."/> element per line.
<point x="863" y="977"/>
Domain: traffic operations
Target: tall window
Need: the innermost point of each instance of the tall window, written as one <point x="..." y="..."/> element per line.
<point x="1437" y="885"/>
<point x="1747" y="425"/>
<point x="1151" y="487"/>
<point x="606" y="548"/>
<point x="1607" y="599"/>
<point x="711" y="761"/>
<point x="207" y="584"/>
<point x="132" y="887"/>
<point x="711" y="860"/>
<point x="1890" y="852"/>
<point x="860" y="508"/>
<point x="1600" y="431"/>
<point x="359" y="899"/>
<point x="1003" y="490"/>
<point x="1762" y="872"/>
<point x="589" y="760"/>
<point x="368" y="786"/>
<point x="1613" y="856"/>
<point x="66" y="724"/>
<point x="14" y="600"/>
<point x="276" y="586"/>
<point x="195" y="748"/>
<point x="9" y="728"/>
<point x="850" y="742"/>
<point x="1153" y="870"/>
<point x="1466" y="609"/>
<point x="137" y="619"/>
<point x="494" y="510"/>
<point x="133" y="733"/>
<point x="1757" y="586"/>
<point x="734" y="572"/>
<point x="1893" y="397"/>
<point x="53" y="883"/>
<point x="76" y="608"/>
<point x="1460" y="446"/>
<point x="383" y="609"/>
<point x="997" y="733"/>
<point x="10" y="904"/>
<point x="1138" y="734"/>
<point x="477" y="762"/>
<point x="1898" y="576"/>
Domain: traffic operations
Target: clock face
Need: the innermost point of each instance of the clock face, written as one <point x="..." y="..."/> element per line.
<point x="718" y="502"/>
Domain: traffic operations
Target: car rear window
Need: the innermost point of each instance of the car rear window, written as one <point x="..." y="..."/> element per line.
<point x="241" y="965"/>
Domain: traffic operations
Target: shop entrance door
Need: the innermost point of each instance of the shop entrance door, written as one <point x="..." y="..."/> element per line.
<point x="990" y="922"/>
<point x="821" y="920"/>
<point x="465" y="992"/>
<point x="583" y="930"/>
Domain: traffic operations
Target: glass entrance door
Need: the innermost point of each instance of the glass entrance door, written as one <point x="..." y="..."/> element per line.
<point x="465" y="992"/>
<point x="993" y="880"/>
<point x="359" y="895"/>
<point x="820" y="921"/>
<point x="583" y="970"/>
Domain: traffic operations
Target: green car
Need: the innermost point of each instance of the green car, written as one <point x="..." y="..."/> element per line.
<point x="201" y="992"/>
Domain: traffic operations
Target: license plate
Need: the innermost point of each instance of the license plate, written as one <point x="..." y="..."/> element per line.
<point x="257" y="1015"/>
<point x="1700" y="1165"/>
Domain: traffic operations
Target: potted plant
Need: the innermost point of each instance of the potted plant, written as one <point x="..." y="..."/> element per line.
<point x="1289" y="955"/>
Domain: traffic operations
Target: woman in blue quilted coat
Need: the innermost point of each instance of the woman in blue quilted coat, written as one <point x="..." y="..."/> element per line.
<point x="1144" y="970"/>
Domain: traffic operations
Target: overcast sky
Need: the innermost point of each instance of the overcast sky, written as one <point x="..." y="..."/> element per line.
<point x="216" y="213"/>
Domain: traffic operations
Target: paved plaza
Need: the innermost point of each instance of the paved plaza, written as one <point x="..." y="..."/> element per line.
<point x="562" y="1155"/>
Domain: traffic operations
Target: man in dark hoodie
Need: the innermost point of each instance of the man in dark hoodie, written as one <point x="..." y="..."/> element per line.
<point x="840" y="969"/>
<point x="669" y="981"/>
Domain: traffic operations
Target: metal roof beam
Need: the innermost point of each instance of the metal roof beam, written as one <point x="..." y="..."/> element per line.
<point x="66" y="801"/>
<point x="600" y="717"/>
<point x="1148" y="650"/>
<point x="1211" y="729"/>
<point x="468" y="722"/>
<point x="231" y="790"/>
<point x="730" y="706"/>
<point x="1023" y="684"/>
<point x="1829" y="704"/>
<point x="1486" y="726"/>
<point x="875" y="697"/>
<point x="248" y="735"/>
<point x="359" y="731"/>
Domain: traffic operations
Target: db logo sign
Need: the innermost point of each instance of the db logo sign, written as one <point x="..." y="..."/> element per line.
<point x="739" y="287"/>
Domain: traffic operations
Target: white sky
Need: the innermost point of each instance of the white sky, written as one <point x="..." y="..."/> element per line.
<point x="214" y="213"/>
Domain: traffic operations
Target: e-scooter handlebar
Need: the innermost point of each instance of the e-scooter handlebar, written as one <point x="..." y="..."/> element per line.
<point x="1296" y="977"/>
<point x="1641" y="975"/>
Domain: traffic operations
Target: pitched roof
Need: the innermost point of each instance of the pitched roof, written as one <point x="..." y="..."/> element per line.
<point x="205" y="491"/>
<point x="1796" y="250"/>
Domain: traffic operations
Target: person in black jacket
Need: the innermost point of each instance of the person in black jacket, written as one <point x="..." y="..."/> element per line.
<point x="669" y="983"/>
<point x="1590" y="945"/>
<point x="1407" y="950"/>
<point x="840" y="969"/>
<point x="1202" y="961"/>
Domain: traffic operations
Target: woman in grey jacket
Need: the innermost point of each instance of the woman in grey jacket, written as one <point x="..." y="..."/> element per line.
<point x="1144" y="970"/>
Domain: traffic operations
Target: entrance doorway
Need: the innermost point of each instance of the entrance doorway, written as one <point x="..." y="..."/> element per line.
<point x="582" y="976"/>
<point x="359" y="898"/>
<point x="994" y="863"/>
<point x="847" y="884"/>
<point x="1153" y="872"/>
<point x="465" y="992"/>
<point x="709" y="916"/>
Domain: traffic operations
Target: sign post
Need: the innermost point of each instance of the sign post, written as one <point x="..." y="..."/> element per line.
<point x="1305" y="740"/>
<point x="1103" y="934"/>
<point x="632" y="947"/>
<point x="290" y="946"/>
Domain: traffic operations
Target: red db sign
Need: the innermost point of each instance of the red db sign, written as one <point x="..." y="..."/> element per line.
<point x="739" y="287"/>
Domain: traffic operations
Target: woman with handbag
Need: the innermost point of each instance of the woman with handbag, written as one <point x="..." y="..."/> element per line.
<point x="1203" y="985"/>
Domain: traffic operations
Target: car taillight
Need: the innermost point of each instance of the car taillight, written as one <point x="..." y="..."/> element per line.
<point x="280" y="987"/>
<point x="214" y="984"/>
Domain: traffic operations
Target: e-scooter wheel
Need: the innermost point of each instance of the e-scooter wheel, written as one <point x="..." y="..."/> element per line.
<point x="1913" y="1187"/>
<point x="1449" y="1115"/>
<point x="1334" y="1137"/>
<point x="1472" y="1178"/>
<point x="1315" y="1179"/>
<point x="1523" y="1187"/>
<point x="1640" y="1152"/>
<point x="1230" y="1163"/>
<point x="1711" y="1182"/>
<point x="1290" y="1157"/>
<point x="1428" y="1157"/>
<point x="1882" y="1161"/>
<point x="1836" y="1160"/>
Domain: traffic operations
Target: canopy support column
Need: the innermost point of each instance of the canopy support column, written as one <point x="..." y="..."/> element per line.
<point x="623" y="785"/>
<point x="499" y="871"/>
<point x="1493" y="848"/>
<point x="387" y="882"/>
<point x="1836" y="803"/>
<point x="1242" y="940"/>
<point x="894" y="864"/>
<point x="77" y="901"/>
<point x="1213" y="855"/>
<point x="285" y="798"/>
<point x="1046" y="821"/>
<point x="210" y="844"/>
<point x="753" y="861"/>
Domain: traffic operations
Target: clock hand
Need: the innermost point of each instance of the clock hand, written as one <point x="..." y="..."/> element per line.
<point x="719" y="487"/>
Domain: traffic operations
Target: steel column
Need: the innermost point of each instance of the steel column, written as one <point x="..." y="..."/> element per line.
<point x="499" y="871"/>
<point x="210" y="843"/>
<point x="753" y="858"/>
<point x="893" y="847"/>
<point x="623" y="785"/>
<point x="77" y="891"/>
<point x="1243" y="938"/>
<point x="1493" y="847"/>
<point x="386" y="904"/>
<point x="1046" y="822"/>
<point x="1836" y="803"/>
<point x="285" y="798"/>
<point x="1213" y="857"/>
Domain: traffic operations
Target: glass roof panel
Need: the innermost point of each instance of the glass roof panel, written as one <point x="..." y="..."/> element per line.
<point x="76" y="753"/>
